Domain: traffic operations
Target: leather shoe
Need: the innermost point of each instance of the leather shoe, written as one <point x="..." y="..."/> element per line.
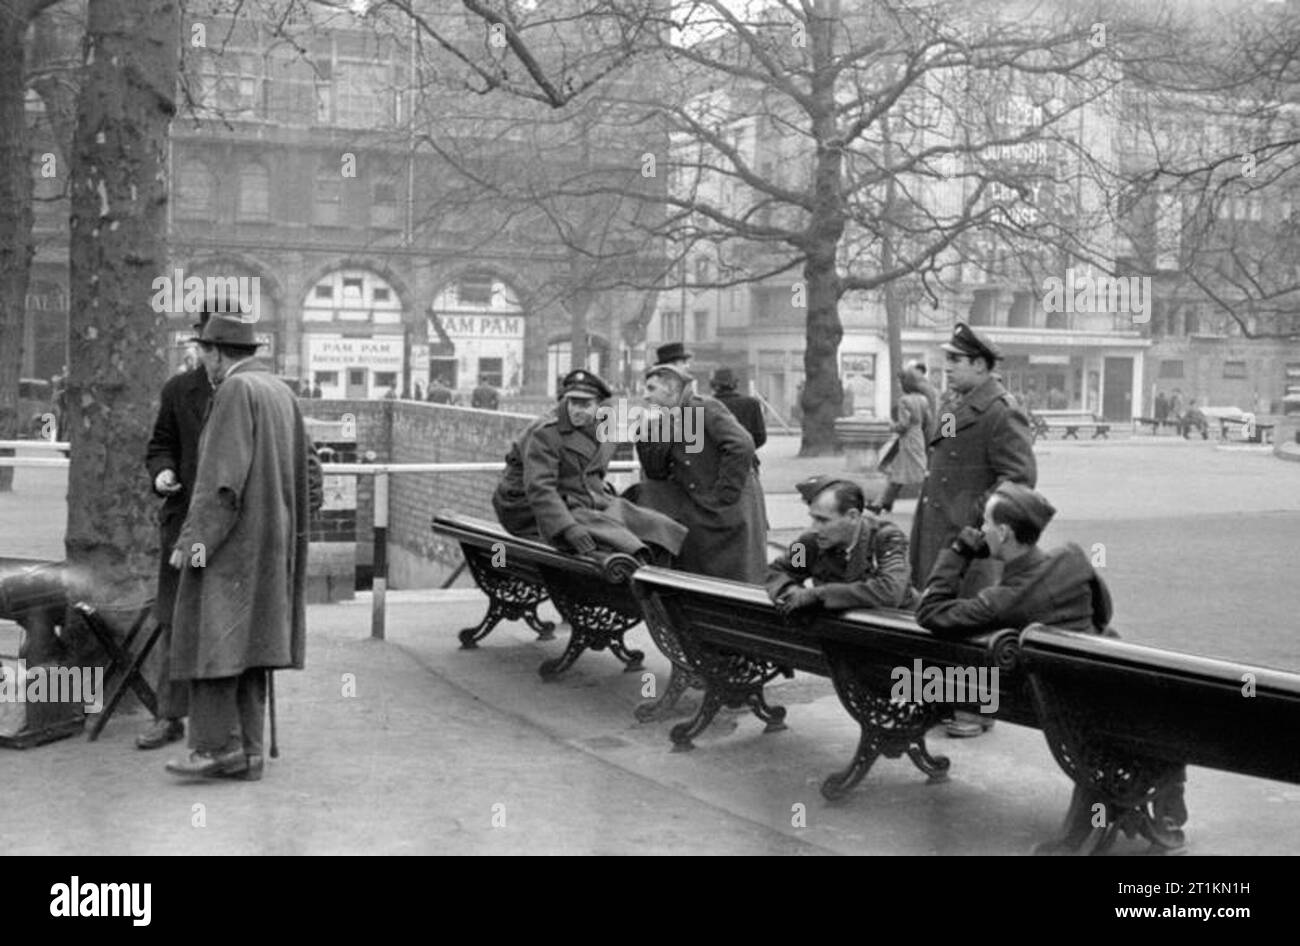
<point x="162" y="732"/>
<point x="210" y="764"/>
<point x="966" y="725"/>
<point x="251" y="772"/>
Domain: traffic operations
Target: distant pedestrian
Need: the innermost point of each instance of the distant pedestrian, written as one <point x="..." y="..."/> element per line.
<point x="1161" y="408"/>
<point x="316" y="391"/>
<point x="438" y="392"/>
<point x="748" y="410"/>
<point x="914" y="428"/>
<point x="485" y="397"/>
<point x="242" y="553"/>
<point x="922" y="375"/>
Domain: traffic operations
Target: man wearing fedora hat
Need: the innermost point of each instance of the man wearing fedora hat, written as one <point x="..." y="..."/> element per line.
<point x="980" y="440"/>
<point x="172" y="458"/>
<point x="242" y="554"/>
<point x="554" y="484"/>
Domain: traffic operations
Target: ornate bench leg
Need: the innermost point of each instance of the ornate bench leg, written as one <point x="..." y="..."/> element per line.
<point x="632" y="659"/>
<point x="470" y="636"/>
<point x="683" y="733"/>
<point x="578" y="642"/>
<point x="841" y="783"/>
<point x="773" y="716"/>
<point x="935" y="767"/>
<point x="545" y="629"/>
<point x="678" y="683"/>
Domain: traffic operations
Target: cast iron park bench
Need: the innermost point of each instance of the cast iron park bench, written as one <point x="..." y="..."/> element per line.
<point x="519" y="574"/>
<point x="1071" y="422"/>
<point x="1121" y="719"/>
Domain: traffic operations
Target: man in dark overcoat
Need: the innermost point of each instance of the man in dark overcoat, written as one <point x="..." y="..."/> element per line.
<point x="748" y="410"/>
<point x="697" y="465"/>
<point x="982" y="439"/>
<point x="554" y="484"/>
<point x="172" y="458"/>
<point x="242" y="553"/>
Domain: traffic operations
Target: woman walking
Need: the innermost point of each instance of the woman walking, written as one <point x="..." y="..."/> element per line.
<point x="914" y="428"/>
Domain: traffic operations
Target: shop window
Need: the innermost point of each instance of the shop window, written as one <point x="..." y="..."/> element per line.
<point x="490" y="371"/>
<point x="327" y="379"/>
<point x="386" y="379"/>
<point x="380" y="294"/>
<point x="475" y="290"/>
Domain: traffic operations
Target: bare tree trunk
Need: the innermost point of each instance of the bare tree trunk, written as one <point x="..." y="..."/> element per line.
<point x="823" y="394"/>
<point x="118" y="246"/>
<point x="16" y="218"/>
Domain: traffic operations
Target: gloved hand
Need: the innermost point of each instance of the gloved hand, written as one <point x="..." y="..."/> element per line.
<point x="580" y="539"/>
<point x="728" y="495"/>
<point x="796" y="599"/>
<point x="166" y="482"/>
<point x="970" y="543"/>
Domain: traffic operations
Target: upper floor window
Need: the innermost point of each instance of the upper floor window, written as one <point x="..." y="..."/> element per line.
<point x="328" y="196"/>
<point x="254" y="192"/>
<point x="355" y="94"/>
<point x="196" y="190"/>
<point x="231" y="84"/>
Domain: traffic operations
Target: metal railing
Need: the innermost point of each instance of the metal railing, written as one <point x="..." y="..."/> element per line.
<point x="380" y="471"/>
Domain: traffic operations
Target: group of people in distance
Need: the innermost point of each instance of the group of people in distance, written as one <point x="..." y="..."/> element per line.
<point x="973" y="563"/>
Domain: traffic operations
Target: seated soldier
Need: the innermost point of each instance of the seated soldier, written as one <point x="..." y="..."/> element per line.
<point x="554" y="484"/>
<point x="1060" y="589"/>
<point x="854" y="559"/>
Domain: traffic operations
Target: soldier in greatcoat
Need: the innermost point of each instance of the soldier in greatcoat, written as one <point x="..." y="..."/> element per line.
<point x="981" y="440"/>
<point x="554" y="484"/>
<point x="242" y="553"/>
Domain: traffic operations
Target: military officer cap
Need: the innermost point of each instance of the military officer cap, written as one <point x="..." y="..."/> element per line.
<point x="583" y="383"/>
<point x="814" y="486"/>
<point x="1028" y="503"/>
<point x="965" y="341"/>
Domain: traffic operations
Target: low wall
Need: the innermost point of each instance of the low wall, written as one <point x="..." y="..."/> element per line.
<point x="415" y="432"/>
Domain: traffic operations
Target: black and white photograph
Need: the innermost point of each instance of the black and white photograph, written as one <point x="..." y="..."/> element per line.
<point x="652" y="427"/>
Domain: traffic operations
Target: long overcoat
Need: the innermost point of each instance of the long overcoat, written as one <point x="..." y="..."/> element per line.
<point x="241" y="602"/>
<point x="174" y="445"/>
<point x="555" y="478"/>
<point x="908" y="465"/>
<point x="703" y="476"/>
<point x="984" y="443"/>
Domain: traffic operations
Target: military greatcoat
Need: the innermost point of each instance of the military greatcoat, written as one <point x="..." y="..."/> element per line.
<point x="555" y="478"/>
<point x="985" y="441"/>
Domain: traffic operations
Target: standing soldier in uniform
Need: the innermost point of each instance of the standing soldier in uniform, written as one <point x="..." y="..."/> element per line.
<point x="554" y="484"/>
<point x="981" y="441"/>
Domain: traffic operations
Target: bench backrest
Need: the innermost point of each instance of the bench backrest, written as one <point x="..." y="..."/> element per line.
<point x="877" y="643"/>
<point x="489" y="543"/>
<point x="1174" y="706"/>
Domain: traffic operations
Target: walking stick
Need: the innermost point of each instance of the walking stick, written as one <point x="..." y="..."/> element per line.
<point x="270" y="698"/>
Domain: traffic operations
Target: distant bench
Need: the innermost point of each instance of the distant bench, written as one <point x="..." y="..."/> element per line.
<point x="1069" y="421"/>
<point x="1121" y="719"/>
<point x="519" y="574"/>
<point x="1250" y="428"/>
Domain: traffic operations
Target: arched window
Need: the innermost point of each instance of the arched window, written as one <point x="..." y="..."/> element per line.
<point x="196" y="190"/>
<point x="254" y="192"/>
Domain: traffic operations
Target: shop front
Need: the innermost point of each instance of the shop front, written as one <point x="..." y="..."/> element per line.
<point x="357" y="368"/>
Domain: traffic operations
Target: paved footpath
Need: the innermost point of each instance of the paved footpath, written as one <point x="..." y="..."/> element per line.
<point x="414" y="746"/>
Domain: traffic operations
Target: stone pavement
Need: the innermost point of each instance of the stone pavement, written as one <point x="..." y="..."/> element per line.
<point x="436" y="742"/>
